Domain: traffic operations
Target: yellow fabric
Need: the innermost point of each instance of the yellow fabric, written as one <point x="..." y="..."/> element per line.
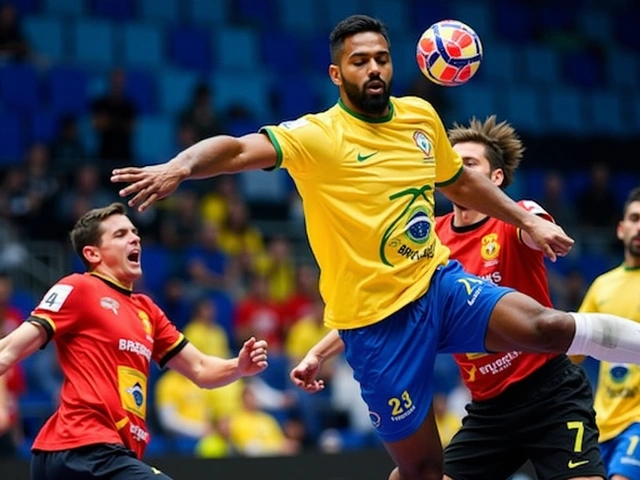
<point x="189" y="401"/>
<point x="214" y="209"/>
<point x="367" y="188"/>
<point x="303" y="335"/>
<point x="256" y="433"/>
<point x="617" y="400"/>
<point x="209" y="339"/>
<point x="234" y="244"/>
<point x="448" y="425"/>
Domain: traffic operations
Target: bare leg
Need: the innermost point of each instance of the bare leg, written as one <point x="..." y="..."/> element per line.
<point x="418" y="457"/>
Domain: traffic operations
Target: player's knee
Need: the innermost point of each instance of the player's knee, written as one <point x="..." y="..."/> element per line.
<point x="554" y="330"/>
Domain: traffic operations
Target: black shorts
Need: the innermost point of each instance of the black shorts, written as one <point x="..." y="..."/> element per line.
<point x="547" y="418"/>
<point x="101" y="461"/>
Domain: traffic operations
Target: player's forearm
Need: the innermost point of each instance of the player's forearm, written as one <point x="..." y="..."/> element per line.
<point x="210" y="157"/>
<point x="475" y="191"/>
<point x="216" y="372"/>
<point x="330" y="346"/>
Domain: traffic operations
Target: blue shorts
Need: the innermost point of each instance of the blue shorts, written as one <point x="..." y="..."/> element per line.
<point x="621" y="455"/>
<point x="393" y="359"/>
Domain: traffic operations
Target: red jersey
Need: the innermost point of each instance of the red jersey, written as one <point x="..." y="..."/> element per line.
<point x="263" y="318"/>
<point x="493" y="250"/>
<point x="106" y="337"/>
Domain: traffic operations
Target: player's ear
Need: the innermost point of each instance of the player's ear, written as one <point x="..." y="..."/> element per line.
<point x="497" y="177"/>
<point x="91" y="253"/>
<point x="620" y="231"/>
<point x="334" y="74"/>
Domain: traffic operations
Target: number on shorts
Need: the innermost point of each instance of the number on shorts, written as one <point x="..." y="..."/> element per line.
<point x="468" y="283"/>
<point x="399" y="405"/>
<point x="579" y="426"/>
<point x="632" y="445"/>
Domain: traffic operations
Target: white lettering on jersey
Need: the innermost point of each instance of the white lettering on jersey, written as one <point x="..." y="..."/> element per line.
<point x="55" y="297"/>
<point x="139" y="433"/>
<point x="293" y="124"/>
<point x="138" y="348"/>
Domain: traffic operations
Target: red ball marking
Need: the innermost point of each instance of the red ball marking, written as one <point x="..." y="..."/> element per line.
<point x="464" y="74"/>
<point x="422" y="62"/>
<point x="453" y="50"/>
<point x="448" y="74"/>
<point x="427" y="45"/>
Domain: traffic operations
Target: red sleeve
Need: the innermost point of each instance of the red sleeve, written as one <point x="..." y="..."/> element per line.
<point x="535" y="208"/>
<point x="167" y="340"/>
<point x="61" y="306"/>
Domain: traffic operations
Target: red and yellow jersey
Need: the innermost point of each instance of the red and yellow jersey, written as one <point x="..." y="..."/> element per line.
<point x="106" y="337"/>
<point x="493" y="250"/>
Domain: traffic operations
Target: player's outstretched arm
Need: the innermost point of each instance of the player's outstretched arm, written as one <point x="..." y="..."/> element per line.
<point x="20" y="343"/>
<point x="475" y="191"/>
<point x="208" y="158"/>
<point x="304" y="375"/>
<point x="210" y="372"/>
<point x="5" y="417"/>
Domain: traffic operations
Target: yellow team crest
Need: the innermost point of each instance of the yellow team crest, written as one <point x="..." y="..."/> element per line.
<point x="146" y="324"/>
<point x="490" y="248"/>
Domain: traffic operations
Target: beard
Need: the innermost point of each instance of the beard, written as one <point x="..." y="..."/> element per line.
<point x="365" y="102"/>
<point x="632" y="248"/>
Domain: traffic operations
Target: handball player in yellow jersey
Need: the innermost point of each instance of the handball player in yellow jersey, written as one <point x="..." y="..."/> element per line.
<point x="366" y="170"/>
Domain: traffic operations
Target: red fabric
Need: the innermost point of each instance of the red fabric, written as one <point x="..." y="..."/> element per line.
<point x="495" y="252"/>
<point x="262" y="318"/>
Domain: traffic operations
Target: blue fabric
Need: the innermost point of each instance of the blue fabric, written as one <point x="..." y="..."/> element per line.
<point x="618" y="455"/>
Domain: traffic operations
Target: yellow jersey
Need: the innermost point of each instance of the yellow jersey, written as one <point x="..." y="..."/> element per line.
<point x="367" y="187"/>
<point x="617" y="400"/>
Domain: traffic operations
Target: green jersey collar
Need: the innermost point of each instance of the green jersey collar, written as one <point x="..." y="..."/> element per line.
<point x="364" y="118"/>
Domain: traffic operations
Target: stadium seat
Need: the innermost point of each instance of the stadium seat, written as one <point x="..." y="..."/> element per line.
<point x="175" y="89"/>
<point x="394" y="14"/>
<point x="422" y="18"/>
<point x="25" y="7"/>
<point x="300" y="16"/>
<point x="11" y="139"/>
<point x="326" y="92"/>
<point x="596" y="25"/>
<point x="634" y="103"/>
<point x="24" y="301"/>
<point x="405" y="68"/>
<point x="605" y="109"/>
<point x="319" y="54"/>
<point x="541" y="65"/>
<point x="499" y="64"/>
<point x="566" y="111"/>
<point x="474" y="100"/>
<point x="44" y="125"/>
<point x="294" y="96"/>
<point x="259" y="186"/>
<point x="337" y="10"/>
<point x="524" y="109"/>
<point x="622" y="68"/>
<point x="143" y="45"/>
<point x="165" y="11"/>
<point x="92" y="43"/>
<point x="625" y="28"/>
<point x="190" y="48"/>
<point x="155" y="264"/>
<point x="584" y="69"/>
<point x="256" y="12"/>
<point x="514" y="21"/>
<point x="19" y="87"/>
<point x="67" y="89"/>
<point x="45" y="35"/>
<point x="141" y="88"/>
<point x="207" y="12"/>
<point x="236" y="49"/>
<point x="154" y="141"/>
<point x="118" y="10"/>
<point x="248" y="91"/>
<point x="274" y="44"/>
<point x="478" y="16"/>
<point x="72" y="8"/>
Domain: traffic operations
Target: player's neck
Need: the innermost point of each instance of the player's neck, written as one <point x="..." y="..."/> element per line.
<point x="631" y="262"/>
<point x="110" y="277"/>
<point x="463" y="218"/>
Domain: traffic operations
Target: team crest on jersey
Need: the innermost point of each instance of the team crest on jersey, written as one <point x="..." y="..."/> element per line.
<point x="422" y="141"/>
<point x="109" y="303"/>
<point x="619" y="372"/>
<point x="146" y="324"/>
<point x="490" y="248"/>
<point x="132" y="385"/>
<point x="375" y="418"/>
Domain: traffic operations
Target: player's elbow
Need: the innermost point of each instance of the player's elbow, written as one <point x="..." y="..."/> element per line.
<point x="554" y="330"/>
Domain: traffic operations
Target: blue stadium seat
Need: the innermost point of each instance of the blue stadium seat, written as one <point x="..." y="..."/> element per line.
<point x="299" y="15"/>
<point x="208" y="12"/>
<point x="19" y="87"/>
<point x="236" y="49"/>
<point x="44" y="125"/>
<point x="624" y="182"/>
<point x="67" y="89"/>
<point x="499" y="64"/>
<point x="45" y="35"/>
<point x="541" y="65"/>
<point x="584" y="69"/>
<point x="634" y="126"/>
<point x="175" y="89"/>
<point x="319" y="54"/>
<point x="605" y="108"/>
<point x="596" y="25"/>
<point x="274" y="44"/>
<point x="405" y="67"/>
<point x="394" y="14"/>
<point x="190" y="47"/>
<point x="256" y="12"/>
<point x="143" y="45"/>
<point x="165" y="11"/>
<point x="566" y="111"/>
<point x="260" y="186"/>
<point x="92" y="43"/>
<point x="11" y="139"/>
<point x="118" y="10"/>
<point x="474" y="100"/>
<point x="24" y="301"/>
<point x="514" y="21"/>
<point x="249" y="91"/>
<point x="478" y="16"/>
<point x="625" y="28"/>
<point x="141" y="88"/>
<point x="155" y="264"/>
<point x="72" y="8"/>
<point x="524" y="109"/>
<point x="295" y="96"/>
<point x="25" y="7"/>
<point x="337" y="10"/>
<point x="423" y="16"/>
<point x="326" y="92"/>
<point x="154" y="140"/>
<point x="623" y="68"/>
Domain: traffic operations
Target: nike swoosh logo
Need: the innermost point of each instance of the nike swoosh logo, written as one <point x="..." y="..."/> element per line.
<point x="362" y="158"/>
<point x="573" y="464"/>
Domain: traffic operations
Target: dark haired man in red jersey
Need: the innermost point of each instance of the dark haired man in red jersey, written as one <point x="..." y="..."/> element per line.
<point x="525" y="406"/>
<point x="106" y="336"/>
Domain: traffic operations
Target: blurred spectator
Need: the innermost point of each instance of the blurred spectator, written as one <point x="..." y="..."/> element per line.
<point x="174" y="303"/>
<point x="596" y="203"/>
<point x="206" y="264"/>
<point x="19" y="204"/>
<point x="256" y="315"/>
<point x="201" y="115"/>
<point x="12" y="252"/>
<point x="571" y="291"/>
<point x="43" y="186"/>
<point x="555" y="201"/>
<point x="237" y="235"/>
<point x="182" y="222"/>
<point x="205" y="333"/>
<point x="186" y="135"/>
<point x="432" y="93"/>
<point x="447" y="421"/>
<point x="45" y="374"/>
<point x="67" y="149"/>
<point x="114" y="117"/>
<point x="306" y="332"/>
<point x="7" y="446"/>
<point x="215" y="204"/>
<point x="13" y="45"/>
<point x="279" y="267"/>
<point x="300" y="304"/>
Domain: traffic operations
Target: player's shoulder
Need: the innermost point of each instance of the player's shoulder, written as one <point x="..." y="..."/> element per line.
<point x="443" y="221"/>
<point x="78" y="281"/>
<point x="606" y="277"/>
<point x="412" y="104"/>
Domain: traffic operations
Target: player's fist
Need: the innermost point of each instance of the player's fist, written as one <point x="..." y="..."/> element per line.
<point x="252" y="358"/>
<point x="304" y="375"/>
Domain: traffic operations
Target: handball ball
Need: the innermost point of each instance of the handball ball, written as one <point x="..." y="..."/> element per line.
<point x="449" y="53"/>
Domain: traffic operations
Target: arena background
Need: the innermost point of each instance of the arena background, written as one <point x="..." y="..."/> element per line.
<point x="565" y="74"/>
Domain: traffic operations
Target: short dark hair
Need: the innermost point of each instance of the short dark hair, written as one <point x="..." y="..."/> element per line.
<point x="87" y="229"/>
<point x="350" y="26"/>
<point x="634" y="196"/>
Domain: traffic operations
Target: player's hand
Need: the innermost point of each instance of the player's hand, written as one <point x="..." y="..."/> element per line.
<point x="148" y="184"/>
<point x="252" y="358"/>
<point x="304" y="375"/>
<point x="550" y="238"/>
